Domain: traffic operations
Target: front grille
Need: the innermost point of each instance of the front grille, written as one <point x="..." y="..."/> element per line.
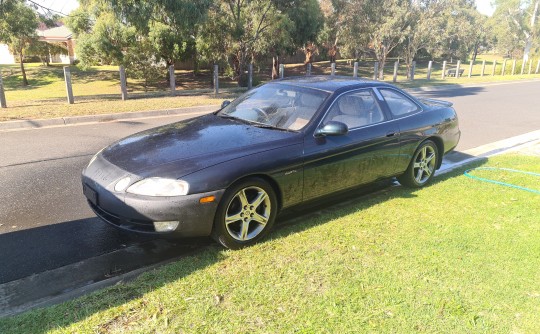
<point x="128" y="224"/>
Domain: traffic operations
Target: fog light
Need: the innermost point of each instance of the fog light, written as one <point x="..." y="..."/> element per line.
<point x="166" y="226"/>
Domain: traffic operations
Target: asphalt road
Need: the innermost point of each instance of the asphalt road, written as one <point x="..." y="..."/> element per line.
<point x="45" y="222"/>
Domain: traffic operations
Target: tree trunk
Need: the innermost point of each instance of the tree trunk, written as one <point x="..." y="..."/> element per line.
<point x="530" y="37"/>
<point x="195" y="61"/>
<point x="21" y="59"/>
<point x="332" y="53"/>
<point x="275" y="67"/>
<point x="309" y="51"/>
<point x="475" y="51"/>
<point x="382" y="61"/>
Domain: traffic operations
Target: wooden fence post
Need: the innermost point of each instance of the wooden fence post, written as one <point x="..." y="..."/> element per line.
<point x="494" y="67"/>
<point x="333" y="69"/>
<point x="514" y="67"/>
<point x="355" y="70"/>
<point x="123" y="83"/>
<point x="376" y="70"/>
<point x="216" y="79"/>
<point x="503" y="70"/>
<point x="443" y="69"/>
<point x="3" y="102"/>
<point x="430" y="64"/>
<point x="483" y="68"/>
<point x="457" y="68"/>
<point x="172" y="79"/>
<point x="281" y="71"/>
<point x="69" y="88"/>
<point x="308" y="70"/>
<point x="471" y="64"/>
<point x="396" y="65"/>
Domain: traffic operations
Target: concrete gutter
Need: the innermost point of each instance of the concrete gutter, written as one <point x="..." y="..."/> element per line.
<point x="71" y="120"/>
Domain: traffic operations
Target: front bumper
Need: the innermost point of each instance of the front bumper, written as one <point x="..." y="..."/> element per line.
<point x="137" y="213"/>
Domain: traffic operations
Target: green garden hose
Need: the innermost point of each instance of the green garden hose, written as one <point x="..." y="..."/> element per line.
<point x="503" y="183"/>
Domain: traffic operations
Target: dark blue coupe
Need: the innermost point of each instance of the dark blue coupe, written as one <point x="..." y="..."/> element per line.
<point x="228" y="174"/>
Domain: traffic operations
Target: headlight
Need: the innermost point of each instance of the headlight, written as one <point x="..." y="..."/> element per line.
<point x="156" y="186"/>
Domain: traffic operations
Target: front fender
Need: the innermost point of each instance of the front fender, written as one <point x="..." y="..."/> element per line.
<point x="283" y="165"/>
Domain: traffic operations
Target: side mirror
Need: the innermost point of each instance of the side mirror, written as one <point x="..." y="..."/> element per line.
<point x="225" y="103"/>
<point x="332" y="128"/>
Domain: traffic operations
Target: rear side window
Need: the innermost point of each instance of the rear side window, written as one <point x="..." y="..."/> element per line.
<point x="399" y="104"/>
<point x="356" y="109"/>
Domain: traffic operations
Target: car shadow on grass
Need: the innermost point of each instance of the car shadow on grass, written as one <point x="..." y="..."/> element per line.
<point x="293" y="221"/>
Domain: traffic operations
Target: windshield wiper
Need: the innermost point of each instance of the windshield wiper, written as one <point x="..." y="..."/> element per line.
<point x="268" y="126"/>
<point x="235" y="118"/>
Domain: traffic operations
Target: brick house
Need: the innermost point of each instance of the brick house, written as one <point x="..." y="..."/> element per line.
<point x="60" y="34"/>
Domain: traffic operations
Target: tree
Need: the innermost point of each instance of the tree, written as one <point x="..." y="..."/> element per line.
<point x="18" y="30"/>
<point x="108" y="29"/>
<point x="335" y="17"/>
<point x="518" y="26"/>
<point x="308" y="20"/>
<point x="44" y="49"/>
<point x="385" y="23"/>
<point x="427" y="28"/>
<point x="463" y="30"/>
<point x="239" y="30"/>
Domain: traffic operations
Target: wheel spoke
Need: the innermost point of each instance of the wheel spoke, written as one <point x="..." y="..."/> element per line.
<point x="242" y="197"/>
<point x="424" y="153"/>
<point x="419" y="175"/>
<point x="258" y="200"/>
<point x="417" y="165"/>
<point x="233" y="218"/>
<point x="244" y="230"/>
<point x="428" y="160"/>
<point x="427" y="171"/>
<point x="260" y="219"/>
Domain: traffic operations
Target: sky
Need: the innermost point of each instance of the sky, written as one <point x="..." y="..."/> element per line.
<point x="66" y="6"/>
<point x="484" y="7"/>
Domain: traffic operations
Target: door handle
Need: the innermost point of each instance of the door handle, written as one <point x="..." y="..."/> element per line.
<point x="391" y="134"/>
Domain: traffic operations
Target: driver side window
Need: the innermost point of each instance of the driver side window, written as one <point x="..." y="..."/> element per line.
<point x="356" y="109"/>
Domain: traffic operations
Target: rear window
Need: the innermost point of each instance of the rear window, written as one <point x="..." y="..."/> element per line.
<point x="399" y="104"/>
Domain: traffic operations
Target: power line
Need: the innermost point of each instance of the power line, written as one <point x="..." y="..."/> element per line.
<point x="50" y="10"/>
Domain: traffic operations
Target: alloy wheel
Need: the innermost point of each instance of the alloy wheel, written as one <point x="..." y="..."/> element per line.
<point x="248" y="213"/>
<point x="424" y="164"/>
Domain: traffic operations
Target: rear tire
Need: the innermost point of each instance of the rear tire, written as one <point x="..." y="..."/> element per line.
<point x="245" y="214"/>
<point x="422" y="166"/>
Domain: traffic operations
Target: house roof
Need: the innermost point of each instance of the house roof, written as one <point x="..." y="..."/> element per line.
<point x="61" y="33"/>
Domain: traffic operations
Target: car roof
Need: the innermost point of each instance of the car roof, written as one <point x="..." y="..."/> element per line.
<point x="329" y="83"/>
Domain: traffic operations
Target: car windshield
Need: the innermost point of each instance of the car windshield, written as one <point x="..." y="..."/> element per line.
<point x="277" y="106"/>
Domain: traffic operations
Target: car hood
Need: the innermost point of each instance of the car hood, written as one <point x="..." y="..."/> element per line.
<point x="185" y="147"/>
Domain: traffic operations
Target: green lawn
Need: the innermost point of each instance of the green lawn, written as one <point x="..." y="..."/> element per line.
<point x="460" y="256"/>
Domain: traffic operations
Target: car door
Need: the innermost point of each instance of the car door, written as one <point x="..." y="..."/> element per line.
<point x="366" y="153"/>
<point x="413" y="124"/>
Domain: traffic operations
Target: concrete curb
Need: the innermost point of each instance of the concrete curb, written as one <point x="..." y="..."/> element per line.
<point x="71" y="120"/>
<point x="528" y="141"/>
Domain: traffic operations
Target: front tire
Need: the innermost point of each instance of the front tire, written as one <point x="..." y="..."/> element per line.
<point x="245" y="214"/>
<point x="422" y="166"/>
